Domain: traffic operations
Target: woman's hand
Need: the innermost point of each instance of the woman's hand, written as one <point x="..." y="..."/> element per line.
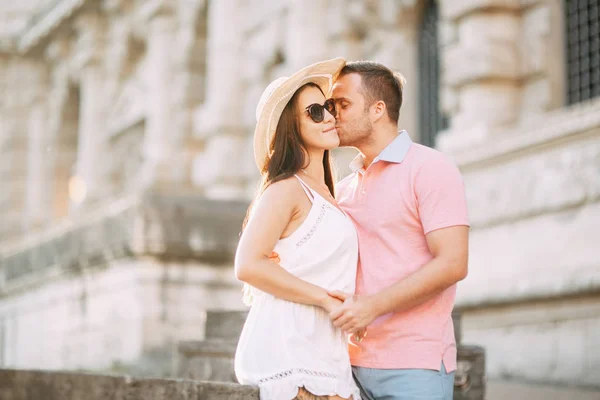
<point x="331" y="303"/>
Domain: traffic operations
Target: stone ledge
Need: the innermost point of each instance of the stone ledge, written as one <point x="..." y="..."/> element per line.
<point x="208" y="360"/>
<point x="475" y="149"/>
<point x="47" y="385"/>
<point x="165" y="226"/>
<point x="207" y="348"/>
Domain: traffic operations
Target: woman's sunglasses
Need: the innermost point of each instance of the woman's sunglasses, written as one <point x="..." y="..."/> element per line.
<point x="317" y="111"/>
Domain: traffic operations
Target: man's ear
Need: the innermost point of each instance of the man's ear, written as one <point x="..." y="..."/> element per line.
<point x="379" y="110"/>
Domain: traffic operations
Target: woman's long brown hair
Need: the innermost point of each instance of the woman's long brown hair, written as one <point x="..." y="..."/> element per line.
<point x="288" y="152"/>
<point x="287" y="158"/>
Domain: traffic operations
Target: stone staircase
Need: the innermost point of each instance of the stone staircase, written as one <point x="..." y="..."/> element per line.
<point x="207" y="369"/>
<point x="212" y="358"/>
<point x="54" y="385"/>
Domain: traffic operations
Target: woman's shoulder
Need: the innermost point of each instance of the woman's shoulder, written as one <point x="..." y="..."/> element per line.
<point x="287" y="190"/>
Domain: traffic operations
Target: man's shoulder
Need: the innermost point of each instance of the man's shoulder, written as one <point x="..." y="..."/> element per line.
<point x="430" y="158"/>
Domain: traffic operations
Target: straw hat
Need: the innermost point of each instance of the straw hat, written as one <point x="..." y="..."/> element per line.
<point x="278" y="94"/>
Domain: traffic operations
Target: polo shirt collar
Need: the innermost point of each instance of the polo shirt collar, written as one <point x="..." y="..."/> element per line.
<point x="394" y="152"/>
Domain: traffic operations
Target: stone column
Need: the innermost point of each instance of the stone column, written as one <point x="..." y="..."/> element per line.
<point x="13" y="144"/>
<point x="39" y="173"/>
<point x="397" y="48"/>
<point x="306" y="36"/>
<point x="92" y="111"/>
<point x="162" y="141"/>
<point x="480" y="70"/>
<point x="60" y="154"/>
<point x="218" y="121"/>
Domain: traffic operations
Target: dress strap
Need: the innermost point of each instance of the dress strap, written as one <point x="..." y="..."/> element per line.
<point x="307" y="189"/>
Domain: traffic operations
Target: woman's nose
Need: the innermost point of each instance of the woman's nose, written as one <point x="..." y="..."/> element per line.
<point x="328" y="117"/>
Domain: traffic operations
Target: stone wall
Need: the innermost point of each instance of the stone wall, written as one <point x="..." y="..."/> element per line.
<point x="534" y="277"/>
<point x="117" y="289"/>
<point x="178" y="84"/>
<point x="43" y="385"/>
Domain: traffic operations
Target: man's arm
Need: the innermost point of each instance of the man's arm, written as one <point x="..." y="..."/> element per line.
<point x="441" y="201"/>
<point x="449" y="247"/>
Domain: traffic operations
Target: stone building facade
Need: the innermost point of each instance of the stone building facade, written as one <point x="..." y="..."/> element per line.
<point x="126" y="164"/>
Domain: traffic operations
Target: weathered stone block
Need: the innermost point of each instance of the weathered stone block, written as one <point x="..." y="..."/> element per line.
<point x="469" y="378"/>
<point x="536" y="97"/>
<point x="42" y="385"/>
<point x="226" y="325"/>
<point x="452" y="9"/>
<point x="535" y="43"/>
<point x="486" y="49"/>
<point x="556" y="334"/>
<point x="211" y="360"/>
<point x="491" y="104"/>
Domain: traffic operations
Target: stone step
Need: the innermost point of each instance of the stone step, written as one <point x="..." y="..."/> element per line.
<point x="224" y="324"/>
<point x="207" y="360"/>
<point x="213" y="358"/>
<point x="46" y="385"/>
<point x="469" y="379"/>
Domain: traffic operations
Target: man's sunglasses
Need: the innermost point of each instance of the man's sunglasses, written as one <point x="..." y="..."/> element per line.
<point x="317" y="111"/>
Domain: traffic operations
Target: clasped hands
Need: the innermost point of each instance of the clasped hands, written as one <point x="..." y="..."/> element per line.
<point x="353" y="315"/>
<point x="350" y="312"/>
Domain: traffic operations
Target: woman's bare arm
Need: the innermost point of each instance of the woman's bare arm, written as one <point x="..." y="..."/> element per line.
<point x="271" y="214"/>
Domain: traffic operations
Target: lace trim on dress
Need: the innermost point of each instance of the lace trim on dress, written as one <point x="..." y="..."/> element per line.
<point x="285" y="385"/>
<point x="293" y="371"/>
<point x="310" y="233"/>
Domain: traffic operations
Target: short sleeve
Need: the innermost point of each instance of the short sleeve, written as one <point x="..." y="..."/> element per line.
<point x="440" y="193"/>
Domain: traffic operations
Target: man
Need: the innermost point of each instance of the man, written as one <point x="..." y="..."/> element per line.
<point x="408" y="204"/>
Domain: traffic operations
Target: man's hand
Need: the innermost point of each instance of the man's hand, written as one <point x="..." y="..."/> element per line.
<point x="355" y="314"/>
<point x="275" y="257"/>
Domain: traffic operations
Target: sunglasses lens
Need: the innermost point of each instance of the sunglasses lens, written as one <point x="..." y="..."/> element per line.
<point x="316" y="112"/>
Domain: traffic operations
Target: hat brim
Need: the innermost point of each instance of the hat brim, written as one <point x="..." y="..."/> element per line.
<point x="323" y="74"/>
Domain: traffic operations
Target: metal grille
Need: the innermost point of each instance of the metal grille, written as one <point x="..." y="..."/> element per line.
<point x="431" y="119"/>
<point x="583" y="49"/>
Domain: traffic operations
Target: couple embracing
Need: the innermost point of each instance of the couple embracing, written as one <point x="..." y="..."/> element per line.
<point x="352" y="284"/>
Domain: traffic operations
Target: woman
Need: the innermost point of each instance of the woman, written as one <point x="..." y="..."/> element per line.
<point x="288" y="346"/>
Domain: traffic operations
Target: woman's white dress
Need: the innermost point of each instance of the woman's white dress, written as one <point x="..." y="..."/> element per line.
<point x="286" y="345"/>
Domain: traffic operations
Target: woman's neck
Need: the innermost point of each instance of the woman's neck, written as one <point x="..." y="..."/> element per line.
<point x="315" y="169"/>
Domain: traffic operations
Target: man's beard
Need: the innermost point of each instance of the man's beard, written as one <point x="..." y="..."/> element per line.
<point x="356" y="134"/>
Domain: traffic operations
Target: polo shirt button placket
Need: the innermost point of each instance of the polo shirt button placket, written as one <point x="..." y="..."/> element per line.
<point x="363" y="191"/>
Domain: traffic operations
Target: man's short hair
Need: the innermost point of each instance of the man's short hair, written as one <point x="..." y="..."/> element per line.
<point x="378" y="83"/>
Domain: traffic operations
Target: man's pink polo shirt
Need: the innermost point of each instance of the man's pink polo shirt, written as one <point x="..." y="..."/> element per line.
<point x="408" y="191"/>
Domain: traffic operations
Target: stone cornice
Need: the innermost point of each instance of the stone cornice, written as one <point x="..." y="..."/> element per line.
<point x="551" y="128"/>
<point x="149" y="224"/>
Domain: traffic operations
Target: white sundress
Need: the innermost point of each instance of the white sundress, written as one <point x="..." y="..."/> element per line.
<point x="286" y="345"/>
